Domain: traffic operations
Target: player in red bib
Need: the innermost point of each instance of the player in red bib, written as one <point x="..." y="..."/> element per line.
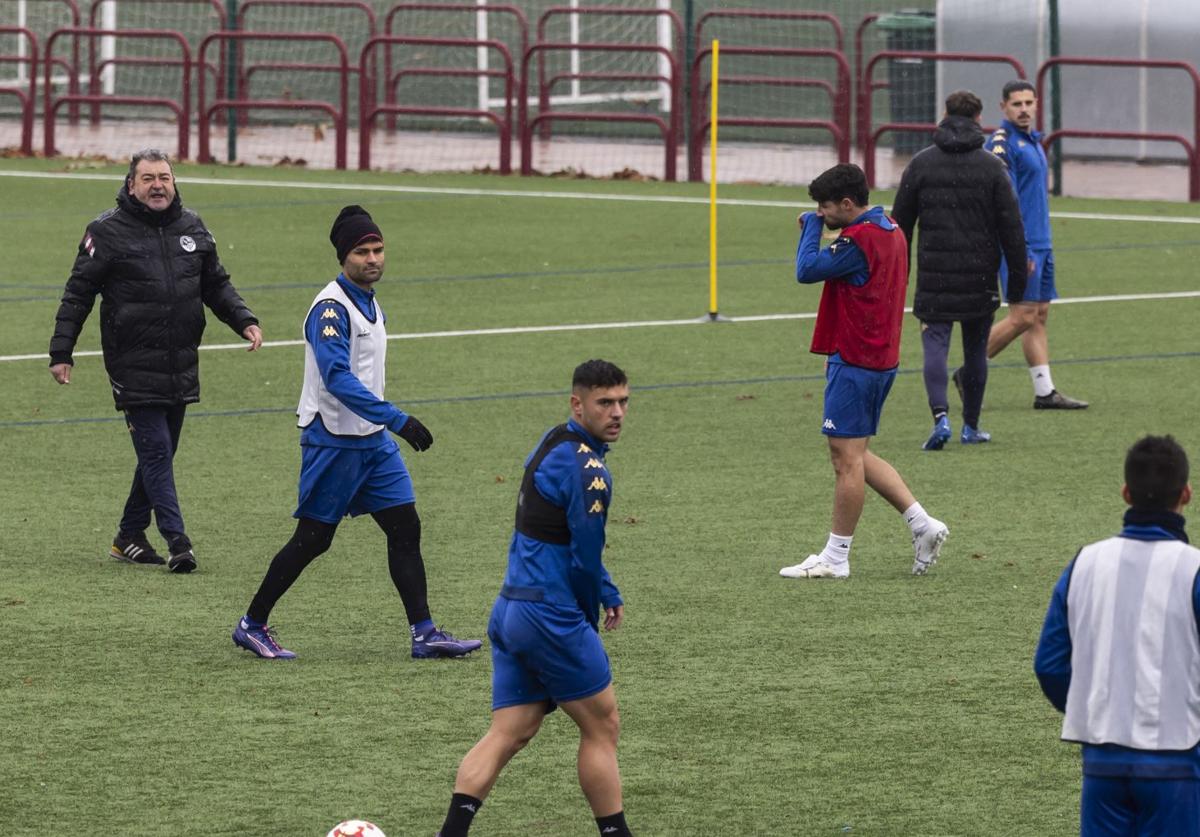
<point x="865" y="272"/>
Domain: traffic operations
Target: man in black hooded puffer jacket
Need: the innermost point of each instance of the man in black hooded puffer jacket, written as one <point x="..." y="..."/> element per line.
<point x="155" y="267"/>
<point x="968" y="214"/>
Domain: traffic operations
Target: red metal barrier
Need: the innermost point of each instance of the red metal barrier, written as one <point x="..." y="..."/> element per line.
<point x="545" y="85"/>
<point x="70" y="67"/>
<point x="368" y="110"/>
<point x="455" y="9"/>
<point x="338" y="114"/>
<point x="859" y="128"/>
<point x="1193" y="147"/>
<point x="838" y="126"/>
<point x="27" y="98"/>
<point x="245" y="73"/>
<point x="669" y="129"/>
<point x="867" y="89"/>
<point x="180" y="108"/>
<point x="95" y="67"/>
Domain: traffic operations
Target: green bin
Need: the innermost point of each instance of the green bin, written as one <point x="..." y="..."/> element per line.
<point x="912" y="81"/>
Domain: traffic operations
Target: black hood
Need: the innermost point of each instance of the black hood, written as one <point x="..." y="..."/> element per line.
<point x="144" y="213"/>
<point x="958" y="135"/>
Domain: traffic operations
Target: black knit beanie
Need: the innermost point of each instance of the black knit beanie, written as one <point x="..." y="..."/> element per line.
<point x="352" y="227"/>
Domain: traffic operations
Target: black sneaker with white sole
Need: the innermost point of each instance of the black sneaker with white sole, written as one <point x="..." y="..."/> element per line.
<point x="182" y="562"/>
<point x="135" y="551"/>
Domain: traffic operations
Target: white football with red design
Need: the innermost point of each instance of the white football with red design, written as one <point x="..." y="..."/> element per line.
<point x="356" y="828"/>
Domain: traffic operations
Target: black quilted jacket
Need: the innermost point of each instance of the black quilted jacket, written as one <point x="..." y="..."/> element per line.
<point x="154" y="272"/>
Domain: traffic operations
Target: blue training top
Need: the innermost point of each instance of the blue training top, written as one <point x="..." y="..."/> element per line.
<point x="1026" y="162"/>
<point x="575" y="478"/>
<point x="1052" y="664"/>
<point x="333" y="360"/>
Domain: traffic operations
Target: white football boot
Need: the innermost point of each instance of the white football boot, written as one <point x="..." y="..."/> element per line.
<point x="928" y="545"/>
<point x="815" y="566"/>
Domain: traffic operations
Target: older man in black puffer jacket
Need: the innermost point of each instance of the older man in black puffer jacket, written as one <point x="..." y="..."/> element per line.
<point x="968" y="214"/>
<point x="155" y="267"/>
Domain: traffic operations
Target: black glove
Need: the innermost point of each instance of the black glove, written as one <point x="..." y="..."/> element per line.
<point x="416" y="434"/>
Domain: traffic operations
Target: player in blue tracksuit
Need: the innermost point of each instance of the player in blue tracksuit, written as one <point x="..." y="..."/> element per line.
<point x="1119" y="655"/>
<point x="350" y="465"/>
<point x="546" y="648"/>
<point x="1020" y="147"/>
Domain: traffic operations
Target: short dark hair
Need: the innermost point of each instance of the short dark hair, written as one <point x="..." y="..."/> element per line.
<point x="151" y="154"/>
<point x="1015" y="86"/>
<point x="1156" y="472"/>
<point x="592" y="374"/>
<point x="844" y="180"/>
<point x="963" y="103"/>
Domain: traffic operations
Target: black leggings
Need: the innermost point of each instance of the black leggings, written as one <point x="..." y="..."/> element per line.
<point x="935" y="339"/>
<point x="312" y="537"/>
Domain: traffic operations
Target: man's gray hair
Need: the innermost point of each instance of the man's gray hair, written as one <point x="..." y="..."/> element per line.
<point x="151" y="154"/>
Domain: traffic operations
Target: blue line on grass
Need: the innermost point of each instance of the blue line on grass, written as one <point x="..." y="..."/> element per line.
<point x="506" y="396"/>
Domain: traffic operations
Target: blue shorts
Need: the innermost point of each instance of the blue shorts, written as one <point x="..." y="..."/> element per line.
<point x="1126" y="806"/>
<point x="854" y="399"/>
<point x="335" y="482"/>
<point x="544" y="652"/>
<point x="1040" y="285"/>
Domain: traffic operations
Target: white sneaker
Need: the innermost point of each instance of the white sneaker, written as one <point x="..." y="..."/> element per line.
<point x="814" y="566"/>
<point x="928" y="545"/>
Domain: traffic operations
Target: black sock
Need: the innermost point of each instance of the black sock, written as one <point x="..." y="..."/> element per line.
<point x="403" y="529"/>
<point x="614" y="825"/>
<point x="310" y="539"/>
<point x="463" y="809"/>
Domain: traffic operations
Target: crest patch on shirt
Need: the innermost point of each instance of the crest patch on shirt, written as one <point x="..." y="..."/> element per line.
<point x="187" y="243"/>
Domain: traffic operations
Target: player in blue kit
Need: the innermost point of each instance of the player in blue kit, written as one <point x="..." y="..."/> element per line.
<point x="349" y="463"/>
<point x="546" y="648"/>
<point x="1019" y="146"/>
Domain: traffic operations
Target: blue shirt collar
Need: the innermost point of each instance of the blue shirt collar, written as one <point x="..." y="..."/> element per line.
<point x="875" y="215"/>
<point x="1031" y="134"/>
<point x="364" y="300"/>
<point x="1152" y="525"/>
<point x="575" y="426"/>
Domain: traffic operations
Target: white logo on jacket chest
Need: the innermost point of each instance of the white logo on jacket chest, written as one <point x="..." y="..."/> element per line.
<point x="187" y="243"/>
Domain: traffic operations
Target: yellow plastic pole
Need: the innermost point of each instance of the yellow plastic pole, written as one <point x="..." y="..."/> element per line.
<point x="712" y="186"/>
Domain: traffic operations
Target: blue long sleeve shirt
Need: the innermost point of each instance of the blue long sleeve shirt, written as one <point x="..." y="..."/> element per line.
<point x="1052" y="665"/>
<point x="332" y="354"/>
<point x="1022" y="154"/>
<point x="842" y="260"/>
<point x="575" y="478"/>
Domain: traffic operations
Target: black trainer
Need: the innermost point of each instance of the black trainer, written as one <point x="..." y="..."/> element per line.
<point x="958" y="382"/>
<point x="182" y="562"/>
<point x="1057" y="401"/>
<point x="135" y="551"/>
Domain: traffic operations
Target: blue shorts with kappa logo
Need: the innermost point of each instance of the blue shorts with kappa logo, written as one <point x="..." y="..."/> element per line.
<point x="1040" y="285"/>
<point x="544" y="652"/>
<point x="854" y="399"/>
<point x="335" y="482"/>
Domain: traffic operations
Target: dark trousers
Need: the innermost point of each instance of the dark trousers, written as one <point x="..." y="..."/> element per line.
<point x="935" y="340"/>
<point x="155" y="434"/>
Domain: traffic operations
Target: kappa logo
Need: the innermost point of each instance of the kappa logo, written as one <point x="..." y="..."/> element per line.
<point x="999" y="149"/>
<point x="583" y="448"/>
<point x="596" y="508"/>
<point x="187" y="243"/>
<point x="598" y="484"/>
<point x="468" y="806"/>
<point x="329" y="314"/>
<point x="329" y="331"/>
<point x="593" y="463"/>
<point x="829" y="425"/>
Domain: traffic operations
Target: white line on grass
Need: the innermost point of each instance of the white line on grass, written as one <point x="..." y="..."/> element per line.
<point x="492" y="332"/>
<point x="514" y="193"/>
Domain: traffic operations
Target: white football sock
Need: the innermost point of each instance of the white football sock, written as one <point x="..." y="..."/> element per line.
<point x="837" y="549"/>
<point x="1042" y="383"/>
<point x="917" y="518"/>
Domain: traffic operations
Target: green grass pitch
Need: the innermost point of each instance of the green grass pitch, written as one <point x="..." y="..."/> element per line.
<point x="751" y="705"/>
